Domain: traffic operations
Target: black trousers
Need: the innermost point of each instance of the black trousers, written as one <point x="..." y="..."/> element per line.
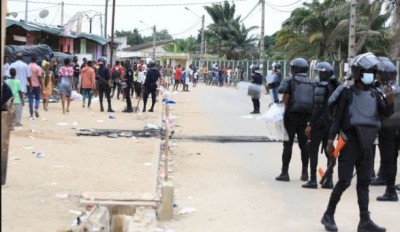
<point x="128" y="89"/>
<point x="389" y="143"/>
<point x="352" y="155"/>
<point x="295" y="124"/>
<point x="256" y="104"/>
<point x="149" y="89"/>
<point x="319" y="134"/>
<point x="104" y="89"/>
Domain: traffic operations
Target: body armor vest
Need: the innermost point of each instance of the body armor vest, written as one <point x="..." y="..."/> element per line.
<point x="363" y="109"/>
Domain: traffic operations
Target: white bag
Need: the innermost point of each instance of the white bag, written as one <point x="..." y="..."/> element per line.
<point x="75" y="96"/>
<point x="274" y="119"/>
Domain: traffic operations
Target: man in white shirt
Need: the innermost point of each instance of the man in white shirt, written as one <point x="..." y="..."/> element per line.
<point x="23" y="73"/>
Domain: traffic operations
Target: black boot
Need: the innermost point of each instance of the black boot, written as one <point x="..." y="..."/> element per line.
<point x="110" y="109"/>
<point x="378" y="181"/>
<point x="284" y="176"/>
<point x="367" y="225"/>
<point x="101" y="107"/>
<point x="389" y="195"/>
<point x="398" y="187"/>
<point x="312" y="183"/>
<point x="328" y="183"/>
<point x="304" y="174"/>
<point x="329" y="222"/>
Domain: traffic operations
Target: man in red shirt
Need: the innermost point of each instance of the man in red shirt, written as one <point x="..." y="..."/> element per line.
<point x="116" y="74"/>
<point x="178" y="77"/>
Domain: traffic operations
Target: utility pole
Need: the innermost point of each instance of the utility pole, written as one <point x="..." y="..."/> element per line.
<point x="62" y="13"/>
<point x="101" y="25"/>
<point x="202" y="49"/>
<point x="262" y="53"/>
<point x="90" y="25"/>
<point x="105" y="20"/>
<point x="112" y="33"/>
<point x="154" y="42"/>
<point x="352" y="32"/>
<point x="26" y="10"/>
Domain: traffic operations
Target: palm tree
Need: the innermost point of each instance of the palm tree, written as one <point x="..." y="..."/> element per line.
<point x="226" y="35"/>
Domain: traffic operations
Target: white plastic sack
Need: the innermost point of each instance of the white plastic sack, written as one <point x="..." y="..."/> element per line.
<point x="75" y="96"/>
<point x="274" y="120"/>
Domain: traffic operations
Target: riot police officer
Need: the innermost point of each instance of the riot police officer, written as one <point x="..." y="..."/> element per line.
<point x="103" y="79"/>
<point x="256" y="80"/>
<point x="297" y="93"/>
<point x="318" y="126"/>
<point x="359" y="108"/>
<point x="129" y="86"/>
<point x="389" y="134"/>
<point x="150" y="85"/>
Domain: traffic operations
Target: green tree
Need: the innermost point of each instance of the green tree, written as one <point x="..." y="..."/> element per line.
<point x="226" y="35"/>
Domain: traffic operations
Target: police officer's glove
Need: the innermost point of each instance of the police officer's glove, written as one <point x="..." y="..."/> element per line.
<point x="388" y="94"/>
<point x="330" y="148"/>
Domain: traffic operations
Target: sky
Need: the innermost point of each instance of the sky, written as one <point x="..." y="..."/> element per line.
<point x="164" y="14"/>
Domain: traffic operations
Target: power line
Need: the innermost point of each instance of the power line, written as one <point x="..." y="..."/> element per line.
<point x="189" y="28"/>
<point x="47" y="7"/>
<point x="251" y="11"/>
<point x="291" y="4"/>
<point x="274" y="8"/>
<point x="133" y="5"/>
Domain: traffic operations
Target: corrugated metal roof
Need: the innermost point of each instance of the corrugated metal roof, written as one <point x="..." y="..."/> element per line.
<point x="146" y="45"/>
<point x="56" y="31"/>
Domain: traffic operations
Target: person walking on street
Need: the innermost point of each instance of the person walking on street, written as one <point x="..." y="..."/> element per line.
<point x="320" y="121"/>
<point x="168" y="75"/>
<point x="77" y="72"/>
<point x="273" y="82"/>
<point x="88" y="79"/>
<point x="48" y="84"/>
<point x="255" y="96"/>
<point x="298" y="98"/>
<point x="150" y="85"/>
<point x="129" y="85"/>
<point x="23" y="73"/>
<point x="36" y="83"/>
<point x="357" y="115"/>
<point x="178" y="77"/>
<point x="103" y="78"/>
<point x="18" y="102"/>
<point x="67" y="85"/>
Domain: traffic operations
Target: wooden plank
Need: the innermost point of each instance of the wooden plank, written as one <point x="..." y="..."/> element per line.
<point x="120" y="203"/>
<point x="117" y="196"/>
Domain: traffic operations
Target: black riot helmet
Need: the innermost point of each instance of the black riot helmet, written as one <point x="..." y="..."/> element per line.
<point x="152" y="64"/>
<point x="389" y="73"/>
<point x="102" y="61"/>
<point x="299" y="65"/>
<point x="365" y="63"/>
<point x="324" y="71"/>
<point x="276" y="66"/>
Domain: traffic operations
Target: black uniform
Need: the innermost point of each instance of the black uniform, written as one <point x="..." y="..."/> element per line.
<point x="295" y="123"/>
<point x="320" y="123"/>
<point x="103" y="77"/>
<point x="256" y="79"/>
<point x="129" y="87"/>
<point x="358" y="149"/>
<point x="150" y="87"/>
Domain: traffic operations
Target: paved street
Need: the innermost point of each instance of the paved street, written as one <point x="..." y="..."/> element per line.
<point x="232" y="185"/>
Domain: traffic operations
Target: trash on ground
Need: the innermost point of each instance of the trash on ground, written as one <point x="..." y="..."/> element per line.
<point x="62" y="123"/>
<point x="112" y="135"/>
<point x="151" y="126"/>
<point x="187" y="210"/>
<point x="111" y="117"/>
<point x="28" y="147"/>
<point x="62" y="195"/>
<point x="39" y="154"/>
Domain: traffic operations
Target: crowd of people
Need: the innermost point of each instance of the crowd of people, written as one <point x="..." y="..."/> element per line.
<point x="364" y="109"/>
